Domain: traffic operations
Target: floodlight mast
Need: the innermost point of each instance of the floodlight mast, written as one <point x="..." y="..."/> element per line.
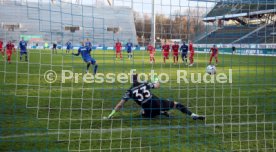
<point x="110" y="2"/>
<point x="132" y="4"/>
<point x="153" y="24"/>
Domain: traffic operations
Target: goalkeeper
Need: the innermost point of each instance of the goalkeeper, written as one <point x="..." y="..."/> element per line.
<point x="151" y="104"/>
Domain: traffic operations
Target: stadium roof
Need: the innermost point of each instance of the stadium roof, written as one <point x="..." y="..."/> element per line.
<point x="227" y="10"/>
<point x="230" y="16"/>
<point x="240" y="1"/>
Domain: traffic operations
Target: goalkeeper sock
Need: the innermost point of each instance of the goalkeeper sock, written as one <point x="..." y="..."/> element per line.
<point x="87" y="67"/>
<point x="183" y="109"/>
<point x="95" y="69"/>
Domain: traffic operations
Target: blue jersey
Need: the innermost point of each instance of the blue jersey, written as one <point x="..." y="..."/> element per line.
<point x="184" y="48"/>
<point x="88" y="44"/>
<point x="129" y="47"/>
<point x="23" y="46"/>
<point x="68" y="44"/>
<point x="85" y="53"/>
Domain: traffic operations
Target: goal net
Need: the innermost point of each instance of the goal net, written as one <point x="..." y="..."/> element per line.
<point x="52" y="102"/>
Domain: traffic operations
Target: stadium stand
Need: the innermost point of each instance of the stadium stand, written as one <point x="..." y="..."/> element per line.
<point x="227" y="34"/>
<point x="50" y="21"/>
<point x="247" y="22"/>
<point x="265" y="35"/>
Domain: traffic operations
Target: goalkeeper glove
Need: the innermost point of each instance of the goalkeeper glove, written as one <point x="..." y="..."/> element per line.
<point x="111" y="114"/>
<point x="154" y="79"/>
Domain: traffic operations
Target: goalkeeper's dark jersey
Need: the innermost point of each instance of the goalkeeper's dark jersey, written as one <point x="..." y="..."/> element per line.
<point x="139" y="93"/>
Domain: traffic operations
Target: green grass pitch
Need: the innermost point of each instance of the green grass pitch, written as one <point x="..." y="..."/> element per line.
<point x="37" y="116"/>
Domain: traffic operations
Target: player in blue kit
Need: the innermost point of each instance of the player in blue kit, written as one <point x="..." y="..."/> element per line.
<point x="129" y="49"/>
<point x="88" y="44"/>
<point x="23" y="49"/>
<point x="84" y="51"/>
<point x="68" y="46"/>
<point x="184" y="52"/>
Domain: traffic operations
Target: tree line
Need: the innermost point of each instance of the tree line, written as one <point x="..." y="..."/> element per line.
<point x="176" y="26"/>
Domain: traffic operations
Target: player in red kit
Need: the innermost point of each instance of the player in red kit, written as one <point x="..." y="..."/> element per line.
<point x="166" y="51"/>
<point x="1" y="49"/>
<point x="118" y="47"/>
<point x="151" y="51"/>
<point x="175" y="49"/>
<point x="192" y="53"/>
<point x="9" y="49"/>
<point x="214" y="53"/>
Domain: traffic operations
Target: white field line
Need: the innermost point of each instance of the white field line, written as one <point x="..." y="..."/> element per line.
<point x="99" y="131"/>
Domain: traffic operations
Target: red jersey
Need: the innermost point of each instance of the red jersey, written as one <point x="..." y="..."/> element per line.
<point x="166" y="48"/>
<point x="175" y="48"/>
<point x="118" y="46"/>
<point x="1" y="44"/>
<point x="151" y="49"/>
<point x="214" y="50"/>
<point x="10" y="46"/>
<point x="191" y="48"/>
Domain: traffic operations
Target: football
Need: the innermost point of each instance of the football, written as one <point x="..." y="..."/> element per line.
<point x="211" y="69"/>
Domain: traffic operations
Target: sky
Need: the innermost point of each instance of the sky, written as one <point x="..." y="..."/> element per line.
<point x="146" y="5"/>
<point x="166" y="7"/>
<point x="125" y="2"/>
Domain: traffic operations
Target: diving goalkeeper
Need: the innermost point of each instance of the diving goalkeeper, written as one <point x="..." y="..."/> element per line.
<point x="151" y="104"/>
